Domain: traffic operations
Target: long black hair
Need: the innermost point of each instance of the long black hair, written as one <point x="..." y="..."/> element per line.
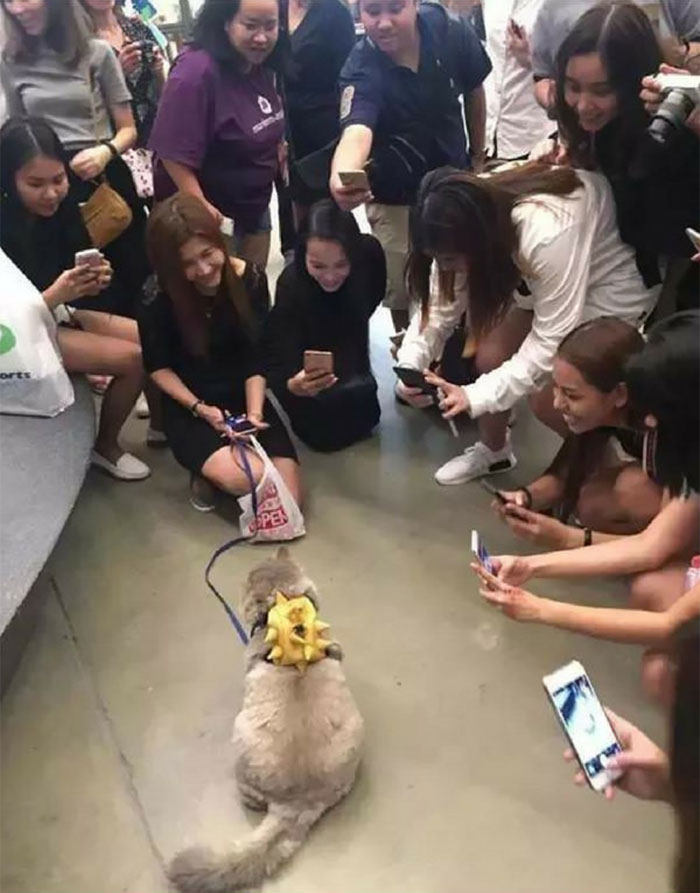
<point x="67" y="33"/>
<point x="209" y="33"/>
<point x="457" y="212"/>
<point x="622" y="35"/>
<point x="664" y="380"/>
<point x="325" y="220"/>
<point x="22" y="140"/>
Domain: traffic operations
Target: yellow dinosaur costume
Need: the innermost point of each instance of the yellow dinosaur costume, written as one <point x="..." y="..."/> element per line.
<point x="294" y="632"/>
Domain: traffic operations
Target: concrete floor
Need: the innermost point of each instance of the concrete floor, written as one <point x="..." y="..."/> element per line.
<point x="116" y="727"/>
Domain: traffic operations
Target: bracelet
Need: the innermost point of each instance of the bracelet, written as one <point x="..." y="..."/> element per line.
<point x="193" y="408"/>
<point x="587" y="536"/>
<point x="112" y="148"/>
<point x="528" y="496"/>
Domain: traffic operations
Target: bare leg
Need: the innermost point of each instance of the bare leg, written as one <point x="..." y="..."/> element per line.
<point x="290" y="473"/>
<point x="494" y="349"/>
<point x="658" y="590"/>
<point x="621" y="500"/>
<point x="88" y="352"/>
<point x="223" y="470"/>
<point x="121" y="327"/>
<point x="255" y="248"/>
<point x="659" y="676"/>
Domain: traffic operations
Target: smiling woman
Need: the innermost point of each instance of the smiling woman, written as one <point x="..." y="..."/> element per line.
<point x="220" y="121"/>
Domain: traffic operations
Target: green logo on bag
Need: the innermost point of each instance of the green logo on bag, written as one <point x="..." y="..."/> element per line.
<point x="7" y="339"/>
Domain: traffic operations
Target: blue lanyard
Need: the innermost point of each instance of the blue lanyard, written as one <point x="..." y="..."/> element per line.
<point x="237" y="625"/>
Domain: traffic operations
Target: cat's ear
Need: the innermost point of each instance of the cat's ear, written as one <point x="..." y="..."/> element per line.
<point x="283" y="554"/>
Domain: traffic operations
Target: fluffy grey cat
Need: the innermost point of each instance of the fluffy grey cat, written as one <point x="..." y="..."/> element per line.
<point x="297" y="743"/>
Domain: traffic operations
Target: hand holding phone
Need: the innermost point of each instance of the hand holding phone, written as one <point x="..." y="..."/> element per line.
<point x="354" y="180"/>
<point x="318" y="361"/>
<point x="585" y="723"/>
<point x="481" y="553"/>
<point x="493" y="491"/>
<point x="412" y="378"/>
<point x="90" y="257"/>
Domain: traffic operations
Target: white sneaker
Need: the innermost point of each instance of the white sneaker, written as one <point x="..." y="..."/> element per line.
<point x="126" y="468"/>
<point x="142" y="410"/>
<point x="475" y="462"/>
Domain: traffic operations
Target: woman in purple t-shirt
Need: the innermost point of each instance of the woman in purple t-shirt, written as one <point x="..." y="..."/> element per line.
<point x="220" y="122"/>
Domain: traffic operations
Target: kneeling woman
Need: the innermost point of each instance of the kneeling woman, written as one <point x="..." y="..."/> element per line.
<point x="199" y="345"/>
<point x="323" y="303"/>
<point x="598" y="474"/>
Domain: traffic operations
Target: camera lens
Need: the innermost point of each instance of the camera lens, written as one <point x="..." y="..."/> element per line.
<point x="671" y="116"/>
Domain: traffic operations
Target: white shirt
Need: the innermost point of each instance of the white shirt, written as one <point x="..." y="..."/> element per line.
<point x="576" y="267"/>
<point x="515" y="122"/>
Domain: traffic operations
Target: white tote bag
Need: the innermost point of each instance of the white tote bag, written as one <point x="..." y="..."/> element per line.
<point x="278" y="517"/>
<point x="32" y="378"/>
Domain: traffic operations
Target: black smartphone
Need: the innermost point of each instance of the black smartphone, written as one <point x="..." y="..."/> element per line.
<point x="239" y="424"/>
<point x="147" y="51"/>
<point x="412" y="378"/>
<point x="493" y="491"/>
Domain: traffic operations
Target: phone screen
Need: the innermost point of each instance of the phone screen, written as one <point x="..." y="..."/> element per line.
<point x="481" y="552"/>
<point x="587" y="727"/>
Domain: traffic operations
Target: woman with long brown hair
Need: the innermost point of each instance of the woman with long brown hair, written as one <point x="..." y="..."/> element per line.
<point x="537" y="252"/>
<point x="199" y="337"/>
<point x="598" y="476"/>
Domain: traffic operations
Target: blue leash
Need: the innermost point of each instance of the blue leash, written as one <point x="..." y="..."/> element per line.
<point x="237" y="625"/>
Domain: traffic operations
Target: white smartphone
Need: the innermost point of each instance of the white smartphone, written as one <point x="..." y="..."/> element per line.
<point x="584" y="723"/>
<point x="226" y="226"/>
<point x="354" y="179"/>
<point x="481" y="553"/>
<point x="91" y="257"/>
<point x="694" y="237"/>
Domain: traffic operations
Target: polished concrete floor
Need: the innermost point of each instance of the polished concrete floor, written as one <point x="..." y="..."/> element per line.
<point x="116" y="726"/>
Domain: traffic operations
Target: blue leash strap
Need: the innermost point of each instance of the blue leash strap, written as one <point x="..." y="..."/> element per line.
<point x="237" y="625"/>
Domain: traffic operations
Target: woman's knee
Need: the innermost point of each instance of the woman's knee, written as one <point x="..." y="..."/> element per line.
<point x="222" y="470"/>
<point x="658" y="677"/>
<point x="657" y="590"/>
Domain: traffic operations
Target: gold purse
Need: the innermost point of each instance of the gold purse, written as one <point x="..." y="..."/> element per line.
<point x="106" y="215"/>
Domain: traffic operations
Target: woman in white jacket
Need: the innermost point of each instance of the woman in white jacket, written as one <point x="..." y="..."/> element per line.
<point x="528" y="254"/>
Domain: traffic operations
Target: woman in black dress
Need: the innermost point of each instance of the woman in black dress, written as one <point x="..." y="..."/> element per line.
<point x="199" y="346"/>
<point x="324" y="302"/>
<point x="321" y="35"/>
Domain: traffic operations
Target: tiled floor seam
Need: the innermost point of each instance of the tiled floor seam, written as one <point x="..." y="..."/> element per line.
<point x="109" y="729"/>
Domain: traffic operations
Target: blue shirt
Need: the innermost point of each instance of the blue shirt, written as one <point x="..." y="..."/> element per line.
<point x="419" y="108"/>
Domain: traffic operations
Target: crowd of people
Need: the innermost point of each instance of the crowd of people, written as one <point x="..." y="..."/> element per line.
<point x="528" y="190"/>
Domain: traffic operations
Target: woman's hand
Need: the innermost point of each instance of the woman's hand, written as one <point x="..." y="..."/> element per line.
<point x="540" y="529"/>
<point x="348" y="197"/>
<point x="413" y="396"/>
<point x="646" y="767"/>
<point x="82" y="281"/>
<point x="512" y="497"/>
<point x="130" y="57"/>
<point x="513" y="569"/>
<point x="90" y="163"/>
<point x="453" y="397"/>
<point x="652" y="96"/>
<point x="518" y="44"/>
<point x="309" y="384"/>
<point x="514" y="602"/>
<point x="213" y="416"/>
<point x="256" y="420"/>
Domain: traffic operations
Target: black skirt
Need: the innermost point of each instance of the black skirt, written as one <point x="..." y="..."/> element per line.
<point x="193" y="440"/>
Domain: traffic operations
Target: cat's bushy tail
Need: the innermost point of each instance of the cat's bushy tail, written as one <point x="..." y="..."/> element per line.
<point x="258" y="856"/>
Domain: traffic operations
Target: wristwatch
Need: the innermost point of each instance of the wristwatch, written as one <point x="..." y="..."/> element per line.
<point x="112" y="148"/>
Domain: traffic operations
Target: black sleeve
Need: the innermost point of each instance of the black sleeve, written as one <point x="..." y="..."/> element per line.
<point x="281" y="346"/>
<point x="342" y="35"/>
<point x="156" y="330"/>
<point x="375" y="265"/>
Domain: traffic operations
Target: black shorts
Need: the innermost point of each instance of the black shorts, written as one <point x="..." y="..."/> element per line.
<point x="193" y="440"/>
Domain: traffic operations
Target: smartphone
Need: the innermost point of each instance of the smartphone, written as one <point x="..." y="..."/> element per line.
<point x="239" y="424"/>
<point x="493" y="491"/>
<point x="694" y="237"/>
<point x="481" y="553"/>
<point x="226" y="226"/>
<point x="318" y="361"/>
<point x="412" y="378"/>
<point x="147" y="50"/>
<point x="354" y="179"/>
<point x="584" y="722"/>
<point x="91" y="257"/>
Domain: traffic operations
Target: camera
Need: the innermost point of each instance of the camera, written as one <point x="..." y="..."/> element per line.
<point x="681" y="94"/>
<point x="147" y="48"/>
